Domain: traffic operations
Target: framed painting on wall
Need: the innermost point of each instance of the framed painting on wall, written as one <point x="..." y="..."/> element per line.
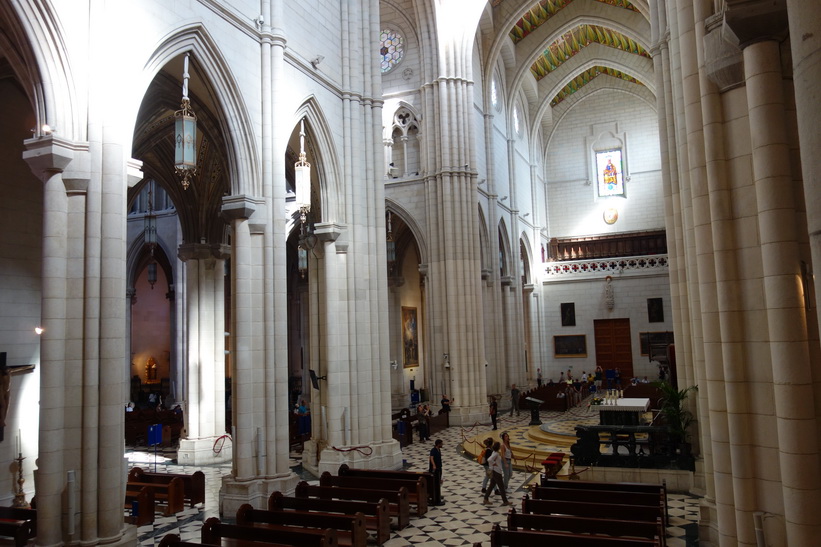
<point x="610" y="173"/>
<point x="648" y="339"/>
<point x="568" y="314"/>
<point x="572" y="345"/>
<point x="655" y="310"/>
<point x="410" y="338"/>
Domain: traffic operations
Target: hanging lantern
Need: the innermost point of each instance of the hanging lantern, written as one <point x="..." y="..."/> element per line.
<point x="302" y="177"/>
<point x="303" y="261"/>
<point x="391" y="245"/>
<point x="152" y="274"/>
<point x="185" y="135"/>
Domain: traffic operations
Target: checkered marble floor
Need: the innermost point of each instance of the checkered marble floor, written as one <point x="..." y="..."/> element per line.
<point x="461" y="520"/>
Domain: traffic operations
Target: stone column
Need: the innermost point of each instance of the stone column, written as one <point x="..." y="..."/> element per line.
<point x="798" y="456"/>
<point x="805" y="41"/>
<point x="47" y="157"/>
<point x="205" y="361"/>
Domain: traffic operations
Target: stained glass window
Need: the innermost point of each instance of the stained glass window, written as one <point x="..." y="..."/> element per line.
<point x="609" y="173"/>
<point x="392" y="49"/>
<point x="494" y="99"/>
<point x="516" y="126"/>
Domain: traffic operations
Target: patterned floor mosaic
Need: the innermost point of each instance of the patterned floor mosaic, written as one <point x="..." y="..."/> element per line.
<point x="461" y="520"/>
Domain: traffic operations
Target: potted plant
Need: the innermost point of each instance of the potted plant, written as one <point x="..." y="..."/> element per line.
<point x="676" y="415"/>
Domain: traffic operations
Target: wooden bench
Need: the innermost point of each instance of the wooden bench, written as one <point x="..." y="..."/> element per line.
<point x="582" y="525"/>
<point x="417" y="489"/>
<point x="350" y="529"/>
<point x="430" y="478"/>
<point x="600" y="496"/>
<point x="660" y="489"/>
<point x="398" y="505"/>
<point x="215" y="532"/>
<point x="170" y="493"/>
<point x="531" y="538"/>
<point x="140" y="504"/>
<point x="591" y="510"/>
<point x="18" y="523"/>
<point x="173" y="540"/>
<point x="193" y="485"/>
<point x="377" y="514"/>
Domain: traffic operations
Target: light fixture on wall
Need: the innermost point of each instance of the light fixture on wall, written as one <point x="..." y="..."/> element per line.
<point x="302" y="182"/>
<point x="39" y="330"/>
<point x="185" y="135"/>
<point x="316" y="60"/>
<point x="391" y="246"/>
<point x="503" y="199"/>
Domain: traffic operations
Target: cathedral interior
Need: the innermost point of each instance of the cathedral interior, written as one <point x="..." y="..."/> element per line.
<point x="265" y="224"/>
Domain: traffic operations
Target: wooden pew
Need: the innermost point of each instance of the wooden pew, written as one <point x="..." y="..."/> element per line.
<point x="350" y="529"/>
<point x="18" y="523"/>
<point x="173" y="540"/>
<point x="523" y="538"/>
<point x="591" y="510"/>
<point x="377" y="514"/>
<point x="215" y="532"/>
<point x="582" y="525"/>
<point x="430" y="478"/>
<point x="398" y="505"/>
<point x="600" y="496"/>
<point x="417" y="489"/>
<point x="193" y="485"/>
<point x="140" y="504"/>
<point x="170" y="493"/>
<point x="660" y="489"/>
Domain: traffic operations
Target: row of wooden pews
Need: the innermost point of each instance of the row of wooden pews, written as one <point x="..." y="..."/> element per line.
<point x="146" y="492"/>
<point x="589" y="514"/>
<point x="346" y="510"/>
<point x="19" y="524"/>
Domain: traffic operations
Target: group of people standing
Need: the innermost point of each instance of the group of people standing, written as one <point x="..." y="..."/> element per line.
<point x="497" y="459"/>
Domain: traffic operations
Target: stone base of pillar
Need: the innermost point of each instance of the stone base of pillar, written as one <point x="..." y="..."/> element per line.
<point x="708" y="523"/>
<point x="255" y="491"/>
<point x="384" y="455"/>
<point x="202" y="451"/>
<point x="469" y="415"/>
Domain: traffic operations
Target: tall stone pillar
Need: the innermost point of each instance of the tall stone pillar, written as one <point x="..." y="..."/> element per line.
<point x="805" y="40"/>
<point x="205" y="362"/>
<point x="48" y="157"/>
<point x="787" y="324"/>
<point x="254" y="454"/>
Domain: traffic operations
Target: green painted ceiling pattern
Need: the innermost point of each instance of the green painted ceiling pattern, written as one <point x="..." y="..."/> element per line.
<point x="571" y="42"/>
<point x="545" y="9"/>
<point x="585" y="78"/>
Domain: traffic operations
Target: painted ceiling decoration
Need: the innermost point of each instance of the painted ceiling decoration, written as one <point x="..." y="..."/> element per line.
<point x="571" y="42"/>
<point x="545" y="9"/>
<point x="586" y="77"/>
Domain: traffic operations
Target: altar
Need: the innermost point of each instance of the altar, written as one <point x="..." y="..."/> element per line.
<point x="624" y="411"/>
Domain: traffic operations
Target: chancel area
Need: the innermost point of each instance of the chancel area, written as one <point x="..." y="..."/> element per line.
<point x="269" y="238"/>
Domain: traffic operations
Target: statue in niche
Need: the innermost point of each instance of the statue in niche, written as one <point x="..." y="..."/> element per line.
<point x="609" y="298"/>
<point x="151" y="371"/>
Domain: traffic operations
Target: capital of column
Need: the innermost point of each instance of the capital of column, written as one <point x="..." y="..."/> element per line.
<point x="507" y="281"/>
<point x="203" y="251"/>
<point x="239" y="207"/>
<point x="48" y="154"/>
<point x="328" y="231"/>
<point x="757" y="20"/>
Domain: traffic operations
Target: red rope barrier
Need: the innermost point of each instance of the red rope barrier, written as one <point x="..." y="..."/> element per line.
<point x="222" y="444"/>
<point x="366" y="451"/>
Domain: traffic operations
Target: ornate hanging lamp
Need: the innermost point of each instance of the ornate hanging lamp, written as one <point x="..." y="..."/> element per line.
<point x="391" y="246"/>
<point x="150" y="236"/>
<point x="302" y="178"/>
<point x="185" y="135"/>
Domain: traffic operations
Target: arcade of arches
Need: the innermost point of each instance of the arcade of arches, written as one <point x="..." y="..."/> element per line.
<point x="497" y="189"/>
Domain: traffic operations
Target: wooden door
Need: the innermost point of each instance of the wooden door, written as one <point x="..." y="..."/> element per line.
<point x="613" y="347"/>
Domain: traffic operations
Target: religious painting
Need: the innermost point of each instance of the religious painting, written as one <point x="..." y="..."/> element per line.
<point x="648" y="340"/>
<point x="655" y="310"/>
<point x="573" y="345"/>
<point x="410" y="338"/>
<point x="568" y="314"/>
<point x="609" y="173"/>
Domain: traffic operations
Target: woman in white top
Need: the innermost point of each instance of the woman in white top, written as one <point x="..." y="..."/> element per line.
<point x="496" y="479"/>
<point x="507" y="458"/>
